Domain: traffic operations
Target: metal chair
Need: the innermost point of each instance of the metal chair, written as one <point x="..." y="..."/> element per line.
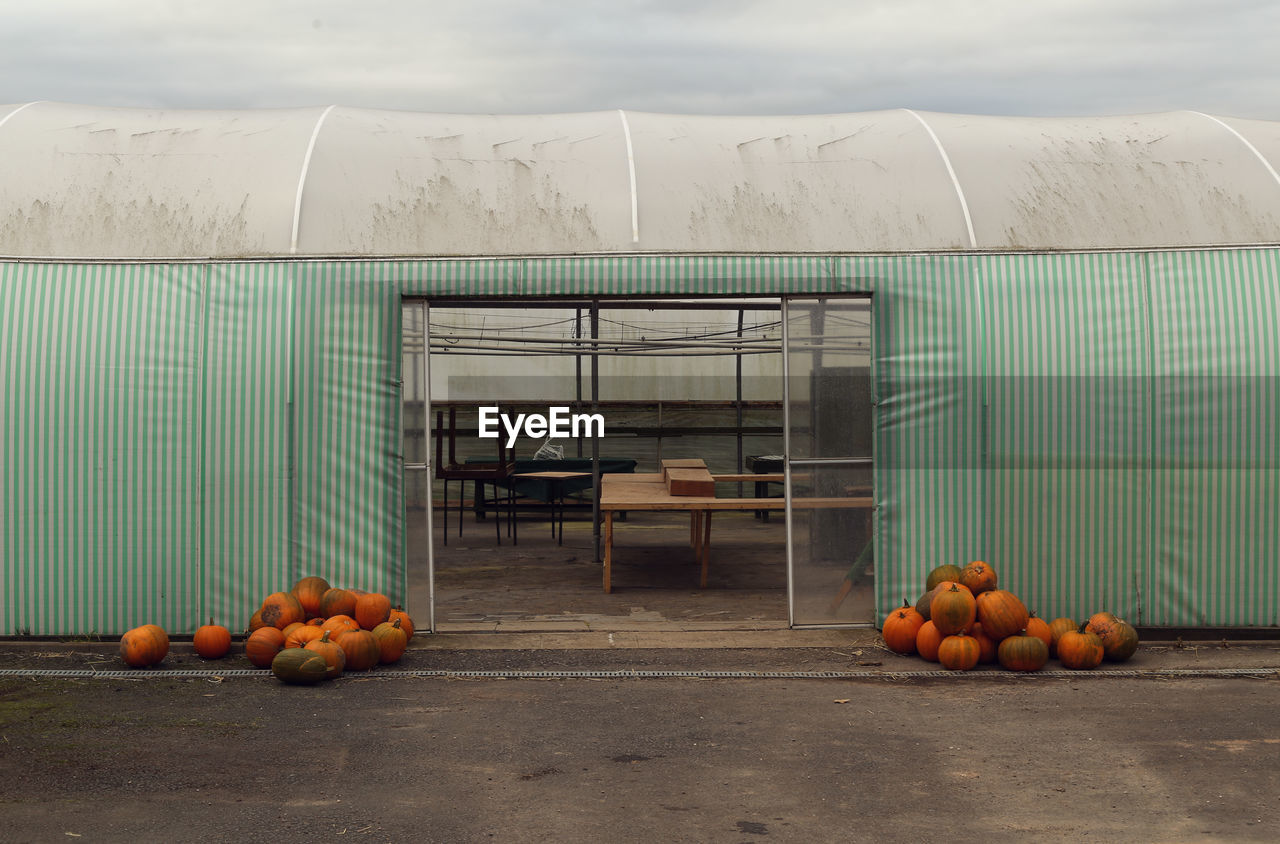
<point x="495" y="473"/>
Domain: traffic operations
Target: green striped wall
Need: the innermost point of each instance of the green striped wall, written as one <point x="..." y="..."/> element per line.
<point x="179" y="439"/>
<point x="99" y="447"/>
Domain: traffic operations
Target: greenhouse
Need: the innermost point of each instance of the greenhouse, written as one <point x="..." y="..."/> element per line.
<point x="1063" y="337"/>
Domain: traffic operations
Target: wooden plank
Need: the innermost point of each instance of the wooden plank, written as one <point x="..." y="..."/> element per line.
<point x="696" y="482"/>
<point x="641" y="501"/>
<point x="770" y="477"/>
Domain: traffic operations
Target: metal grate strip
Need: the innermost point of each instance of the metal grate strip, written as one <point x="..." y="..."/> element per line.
<point x="627" y="674"/>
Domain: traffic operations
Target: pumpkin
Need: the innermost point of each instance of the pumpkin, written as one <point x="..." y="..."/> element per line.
<point x="309" y="591"/>
<point x="337" y="602"/>
<point x="986" y="645"/>
<point x="212" y="641"/>
<point x="338" y="625"/>
<point x="317" y="621"/>
<point x="372" y="609"/>
<point x="978" y="576"/>
<point x="288" y="631"/>
<point x="900" y="629"/>
<point x="1001" y="613"/>
<point x="1100" y="623"/>
<point x="334" y="656"/>
<point x="952" y="610"/>
<point x="280" y="609"/>
<point x="1039" y="628"/>
<point x="1023" y="652"/>
<point x="927" y="641"/>
<point x="1120" y="641"/>
<point x="299" y="666"/>
<point x="1057" y="627"/>
<point x="406" y="623"/>
<point x="391" y="641"/>
<point x="924" y="605"/>
<point x="262" y="646"/>
<point x="360" y="648"/>
<point x="1080" y="649"/>
<point x="948" y="572"/>
<point x="144" y="646"/>
<point x="303" y="634"/>
<point x="255" y="621"/>
<point x="959" y="652"/>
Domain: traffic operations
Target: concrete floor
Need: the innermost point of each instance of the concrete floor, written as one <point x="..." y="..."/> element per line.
<point x="538" y="585"/>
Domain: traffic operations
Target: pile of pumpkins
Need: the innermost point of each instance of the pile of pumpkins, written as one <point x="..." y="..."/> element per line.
<point x="311" y="633"/>
<point x="963" y="619"/>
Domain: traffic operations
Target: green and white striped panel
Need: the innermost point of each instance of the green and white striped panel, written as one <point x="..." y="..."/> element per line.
<point x="1216" y="445"/>
<point x="622" y="275"/>
<point x="246" y="516"/>
<point x="348" y="512"/>
<point x="928" y="476"/>
<point x="1067" y="429"/>
<point x="99" y="447"/>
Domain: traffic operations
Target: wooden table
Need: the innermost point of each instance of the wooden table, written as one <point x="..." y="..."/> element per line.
<point x="620" y="493"/>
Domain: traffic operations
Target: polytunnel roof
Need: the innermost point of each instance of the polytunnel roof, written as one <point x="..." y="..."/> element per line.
<point x="90" y="182"/>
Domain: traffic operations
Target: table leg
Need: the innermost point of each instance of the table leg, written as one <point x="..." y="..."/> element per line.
<point x="608" y="551"/>
<point x="706" y="546"/>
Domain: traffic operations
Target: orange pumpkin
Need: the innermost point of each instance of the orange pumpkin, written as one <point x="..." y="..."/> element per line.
<point x="391" y="641"/>
<point x="361" y="649"/>
<point x="1039" y="628"/>
<point x="1057" y="627"/>
<point x="1100" y="623"/>
<point x="337" y="602"/>
<point x="928" y="639"/>
<point x="280" y="609"/>
<point x="1080" y="649"/>
<point x="1023" y="652"/>
<point x="406" y="623"/>
<point x="1001" y="614"/>
<point x="959" y="652"/>
<point x="262" y="646"/>
<point x="339" y="624"/>
<point x="986" y="645"/>
<point x="309" y="591"/>
<point x="925" y="604"/>
<point x="255" y="621"/>
<point x="952" y="610"/>
<point x="900" y="629"/>
<point x="303" y="634"/>
<point x="144" y="646"/>
<point x="212" y="641"/>
<point x="979" y="577"/>
<point x="372" y="608"/>
<point x="334" y="656"/>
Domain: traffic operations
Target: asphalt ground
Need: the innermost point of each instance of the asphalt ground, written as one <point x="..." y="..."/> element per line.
<point x="487" y="752"/>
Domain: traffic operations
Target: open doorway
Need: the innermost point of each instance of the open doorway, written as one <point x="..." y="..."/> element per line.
<point x="670" y="381"/>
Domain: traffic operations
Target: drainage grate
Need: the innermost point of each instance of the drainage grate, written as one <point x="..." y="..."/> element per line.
<point x="628" y="674"/>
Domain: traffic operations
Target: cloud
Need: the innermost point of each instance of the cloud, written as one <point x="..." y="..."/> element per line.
<point x="715" y="56"/>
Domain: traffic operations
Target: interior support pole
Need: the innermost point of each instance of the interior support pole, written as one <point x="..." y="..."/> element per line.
<point x="595" y="441"/>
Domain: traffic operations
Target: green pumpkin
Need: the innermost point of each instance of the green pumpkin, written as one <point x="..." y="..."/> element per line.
<point x="1119" y="642"/>
<point x="299" y="666"/>
<point x="941" y="573"/>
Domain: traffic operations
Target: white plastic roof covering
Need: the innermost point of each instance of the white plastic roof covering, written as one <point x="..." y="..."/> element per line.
<point x="88" y="182"/>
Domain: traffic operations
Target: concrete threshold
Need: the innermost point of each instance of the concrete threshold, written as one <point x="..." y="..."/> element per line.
<point x="673" y="637"/>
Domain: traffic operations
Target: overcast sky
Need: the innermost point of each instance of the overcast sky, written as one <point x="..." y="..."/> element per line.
<point x="1015" y="57"/>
